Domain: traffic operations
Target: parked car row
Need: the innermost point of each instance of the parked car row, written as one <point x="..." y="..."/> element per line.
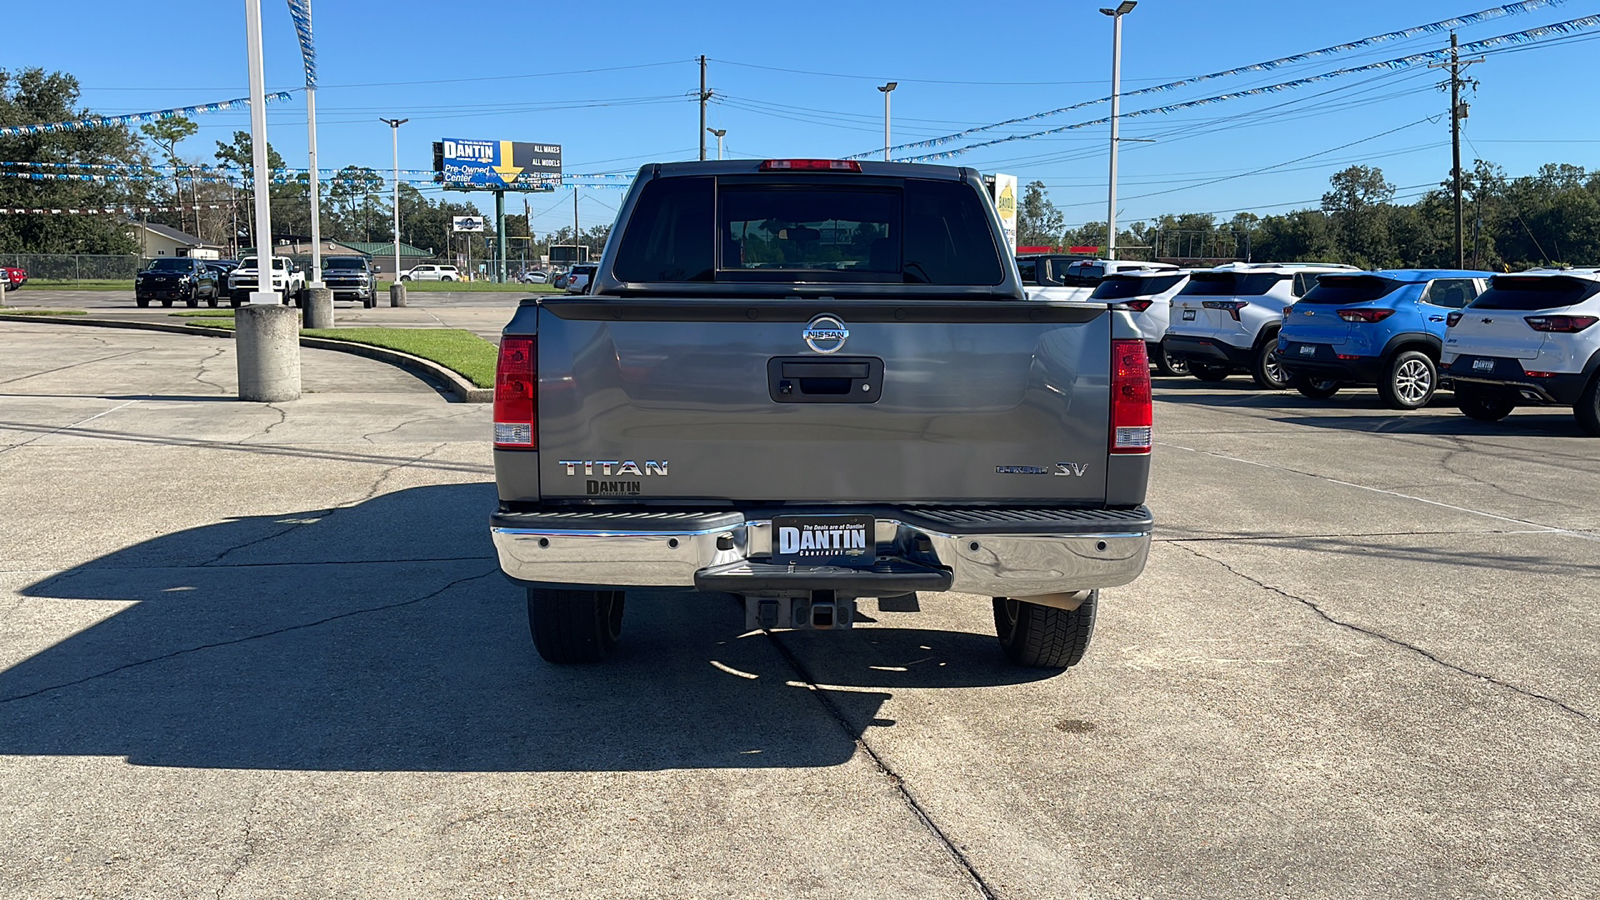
<point x="13" y="277"/>
<point x="1497" y="341"/>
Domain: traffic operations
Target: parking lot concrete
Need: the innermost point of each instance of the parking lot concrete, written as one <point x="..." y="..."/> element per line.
<point x="254" y="650"/>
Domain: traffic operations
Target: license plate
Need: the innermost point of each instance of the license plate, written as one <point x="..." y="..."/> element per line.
<point x="824" y="540"/>
<point x="1308" y="350"/>
<point x="1483" y="365"/>
<point x="1188" y="315"/>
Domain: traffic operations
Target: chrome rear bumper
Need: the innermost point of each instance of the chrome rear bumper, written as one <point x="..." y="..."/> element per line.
<point x="1072" y="551"/>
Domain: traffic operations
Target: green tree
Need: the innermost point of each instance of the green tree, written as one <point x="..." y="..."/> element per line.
<point x="1358" y="208"/>
<point x="166" y="134"/>
<point x="34" y="97"/>
<point x="1039" y="223"/>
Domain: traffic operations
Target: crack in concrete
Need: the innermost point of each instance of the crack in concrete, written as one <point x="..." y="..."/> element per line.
<point x="894" y="779"/>
<point x="324" y="513"/>
<point x="412" y="421"/>
<point x="283" y="416"/>
<point x="75" y="365"/>
<point x="248" y="841"/>
<point x="199" y="376"/>
<point x="1552" y="529"/>
<point x="248" y="638"/>
<point x="1393" y="641"/>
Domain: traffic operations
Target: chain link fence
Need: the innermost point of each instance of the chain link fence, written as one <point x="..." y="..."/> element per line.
<point x="67" y="270"/>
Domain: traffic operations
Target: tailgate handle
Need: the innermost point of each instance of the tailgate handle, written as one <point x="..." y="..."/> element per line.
<point x="826" y="370"/>
<point x="810" y="380"/>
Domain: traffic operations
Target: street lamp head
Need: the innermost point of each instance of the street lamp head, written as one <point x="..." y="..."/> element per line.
<point x="719" y="132"/>
<point x="889" y="87"/>
<point x="1122" y="9"/>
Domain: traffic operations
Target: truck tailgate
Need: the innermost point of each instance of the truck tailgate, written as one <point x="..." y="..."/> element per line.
<point x="924" y="402"/>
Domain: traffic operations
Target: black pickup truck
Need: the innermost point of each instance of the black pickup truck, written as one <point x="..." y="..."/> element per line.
<point x="808" y="382"/>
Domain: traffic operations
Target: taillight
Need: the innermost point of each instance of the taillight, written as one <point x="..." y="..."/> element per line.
<point x="1232" y="306"/>
<point x="1287" y="310"/>
<point x="1369" y="316"/>
<point x="514" y="400"/>
<point x="1451" y="320"/>
<point x="1560" y="324"/>
<point x="1139" y="305"/>
<point x="811" y="165"/>
<point x="1131" y="407"/>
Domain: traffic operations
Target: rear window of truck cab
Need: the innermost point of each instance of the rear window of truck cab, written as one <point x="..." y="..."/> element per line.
<point x="731" y="230"/>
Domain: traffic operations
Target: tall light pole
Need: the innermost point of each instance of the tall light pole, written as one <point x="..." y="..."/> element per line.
<point x="394" y="126"/>
<point x="887" y="90"/>
<point x="258" y="154"/>
<point x="1116" y="110"/>
<point x="719" y="132"/>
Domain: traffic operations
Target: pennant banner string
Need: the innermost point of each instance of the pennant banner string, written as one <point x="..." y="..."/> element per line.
<point x="1404" y="62"/>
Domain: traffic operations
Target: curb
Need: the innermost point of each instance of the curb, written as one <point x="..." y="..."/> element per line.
<point x="462" y="390"/>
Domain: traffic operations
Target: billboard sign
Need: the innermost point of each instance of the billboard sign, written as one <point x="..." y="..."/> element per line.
<point x="466" y="223"/>
<point x="568" y="254"/>
<point x="1005" y="203"/>
<point x="472" y="165"/>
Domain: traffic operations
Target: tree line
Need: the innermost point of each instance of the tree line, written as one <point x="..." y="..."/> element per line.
<point x="215" y="206"/>
<point x="1510" y="224"/>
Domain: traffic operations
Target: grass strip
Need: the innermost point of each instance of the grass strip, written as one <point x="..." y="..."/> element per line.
<point x="13" y="311"/>
<point x="456" y="349"/>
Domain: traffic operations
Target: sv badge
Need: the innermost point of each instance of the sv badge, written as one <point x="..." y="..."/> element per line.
<point x="1072" y="470"/>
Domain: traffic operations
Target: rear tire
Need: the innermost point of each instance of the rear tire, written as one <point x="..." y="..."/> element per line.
<point x="166" y="304"/>
<point x="1043" y="637"/>
<point x="1208" y="372"/>
<point x="1266" y="370"/>
<point x="141" y="303"/>
<point x="213" y="301"/>
<point x="1166" y="365"/>
<point x="1587" y="409"/>
<point x="1409" y="380"/>
<point x="193" y="302"/>
<point x="1484" y="404"/>
<point x="1311" y="387"/>
<point x="575" y="627"/>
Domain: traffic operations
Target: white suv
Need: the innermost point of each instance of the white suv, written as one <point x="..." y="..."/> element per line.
<point x="1148" y="295"/>
<point x="431" y="273"/>
<point x="1226" y="319"/>
<point x="1062" y="278"/>
<point x="1532" y="337"/>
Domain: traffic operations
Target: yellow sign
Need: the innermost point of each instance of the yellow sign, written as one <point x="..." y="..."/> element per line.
<point x="1007" y="204"/>
<point x="507" y="172"/>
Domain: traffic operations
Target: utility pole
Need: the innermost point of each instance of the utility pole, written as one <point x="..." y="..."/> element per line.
<point x="576" y="253"/>
<point x="1116" y="15"/>
<point x="704" y="96"/>
<point x="887" y="90"/>
<point x="394" y="128"/>
<point x="1458" y="111"/>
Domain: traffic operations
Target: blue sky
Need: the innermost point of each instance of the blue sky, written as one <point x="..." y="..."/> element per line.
<point x="615" y="83"/>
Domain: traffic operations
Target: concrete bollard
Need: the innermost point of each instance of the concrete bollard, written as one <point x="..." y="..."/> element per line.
<point x="319" y="308"/>
<point x="397" y="294"/>
<point x="268" y="344"/>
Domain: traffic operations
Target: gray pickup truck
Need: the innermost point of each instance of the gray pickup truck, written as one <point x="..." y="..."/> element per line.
<point x="807" y="382"/>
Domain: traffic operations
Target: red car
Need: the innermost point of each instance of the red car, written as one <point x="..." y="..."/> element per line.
<point x="17" y="277"/>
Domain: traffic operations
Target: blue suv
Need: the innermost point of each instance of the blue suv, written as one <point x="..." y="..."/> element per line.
<point x="1374" y="328"/>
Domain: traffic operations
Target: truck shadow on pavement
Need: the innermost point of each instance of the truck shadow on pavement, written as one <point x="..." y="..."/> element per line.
<point x="381" y="637"/>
